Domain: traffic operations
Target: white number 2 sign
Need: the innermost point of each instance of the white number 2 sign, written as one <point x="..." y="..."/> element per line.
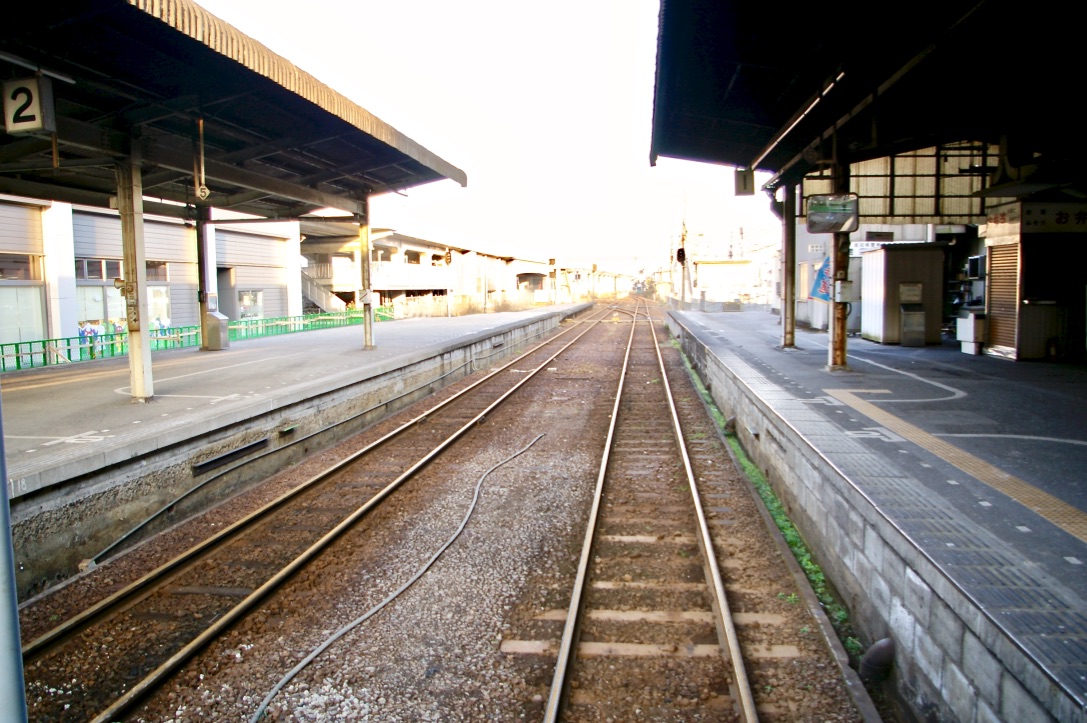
<point x="28" y="105"/>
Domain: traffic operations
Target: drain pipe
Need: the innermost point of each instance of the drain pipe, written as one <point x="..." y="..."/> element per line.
<point x="877" y="661"/>
<point x="12" y="691"/>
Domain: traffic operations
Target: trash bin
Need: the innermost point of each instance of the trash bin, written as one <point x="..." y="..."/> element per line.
<point x="218" y="332"/>
<point x="913" y="325"/>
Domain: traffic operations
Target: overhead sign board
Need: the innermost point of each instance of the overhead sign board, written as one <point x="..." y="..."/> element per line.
<point x="28" y="105"/>
<point x="745" y="181"/>
<point x="837" y="213"/>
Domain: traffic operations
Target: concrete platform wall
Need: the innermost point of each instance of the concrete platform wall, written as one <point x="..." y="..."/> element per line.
<point x="952" y="663"/>
<point x="73" y="519"/>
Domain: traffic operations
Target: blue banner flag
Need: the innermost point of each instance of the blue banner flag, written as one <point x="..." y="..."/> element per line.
<point x="821" y="288"/>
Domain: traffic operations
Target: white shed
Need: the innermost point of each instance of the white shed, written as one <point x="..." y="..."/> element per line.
<point x="888" y="275"/>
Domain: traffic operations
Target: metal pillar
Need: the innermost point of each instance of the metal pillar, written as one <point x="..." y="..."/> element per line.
<point x="130" y="205"/>
<point x="12" y="686"/>
<point x="367" y="291"/>
<point x="683" y="285"/>
<point x="839" y="269"/>
<point x="202" y="273"/>
<point x="788" y="272"/>
<point x="202" y="218"/>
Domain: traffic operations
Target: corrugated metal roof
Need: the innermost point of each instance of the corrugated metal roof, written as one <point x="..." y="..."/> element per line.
<point x="194" y="21"/>
<point x="188" y="90"/>
<point x="746" y="83"/>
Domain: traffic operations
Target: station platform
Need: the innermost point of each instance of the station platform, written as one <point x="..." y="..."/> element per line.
<point x="978" y="463"/>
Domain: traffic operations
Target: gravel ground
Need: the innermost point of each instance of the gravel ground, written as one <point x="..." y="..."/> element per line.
<point x="432" y="653"/>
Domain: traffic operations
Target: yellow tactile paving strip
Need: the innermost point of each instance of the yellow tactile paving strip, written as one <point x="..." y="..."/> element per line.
<point x="1065" y="516"/>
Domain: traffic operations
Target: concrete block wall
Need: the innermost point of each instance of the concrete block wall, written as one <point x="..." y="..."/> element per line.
<point x="952" y="662"/>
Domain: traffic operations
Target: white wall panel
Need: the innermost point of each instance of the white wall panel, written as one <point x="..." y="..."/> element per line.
<point x="20" y="229"/>
<point x="97" y="236"/>
<point x="241" y="249"/>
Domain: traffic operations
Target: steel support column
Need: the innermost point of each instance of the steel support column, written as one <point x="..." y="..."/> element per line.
<point x="12" y="686"/>
<point x="839" y="269"/>
<point x="203" y="219"/>
<point x="367" y="291"/>
<point x="788" y="272"/>
<point x="130" y="206"/>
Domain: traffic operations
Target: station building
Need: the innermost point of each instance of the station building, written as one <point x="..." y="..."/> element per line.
<point x="60" y="264"/>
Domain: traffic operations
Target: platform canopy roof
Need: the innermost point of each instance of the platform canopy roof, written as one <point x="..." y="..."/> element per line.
<point x="786" y="87"/>
<point x="275" y="141"/>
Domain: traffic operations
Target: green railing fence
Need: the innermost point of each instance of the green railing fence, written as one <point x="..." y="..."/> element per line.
<point x="68" y="350"/>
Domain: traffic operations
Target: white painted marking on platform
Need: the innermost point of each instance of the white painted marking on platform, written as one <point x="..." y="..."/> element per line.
<point x="827" y="400"/>
<point x="214" y="370"/>
<point x="1022" y="528"/>
<point x="955" y="393"/>
<point x="952" y="482"/>
<point x="881" y="433"/>
<point x="986" y="504"/>
<point x="1074" y="560"/>
<point x="81" y="438"/>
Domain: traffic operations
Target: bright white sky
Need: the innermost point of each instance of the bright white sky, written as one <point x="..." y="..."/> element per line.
<point x="546" y="106"/>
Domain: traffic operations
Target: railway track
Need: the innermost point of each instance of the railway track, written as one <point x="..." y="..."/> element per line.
<point x="478" y="635"/>
<point x="648" y="630"/>
<point x="674" y="614"/>
<point x="176" y="610"/>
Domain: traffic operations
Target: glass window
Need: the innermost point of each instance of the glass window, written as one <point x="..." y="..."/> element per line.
<point x="250" y="304"/>
<point x="157" y="271"/>
<point x="100" y="304"/>
<point x="98" y="269"/>
<point x="158" y="308"/>
<point x="21" y="314"/>
<point x="115" y="305"/>
<point x="90" y="301"/>
<point x="19" y="267"/>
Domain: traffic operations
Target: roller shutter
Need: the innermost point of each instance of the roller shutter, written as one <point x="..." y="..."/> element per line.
<point x="21" y="229"/>
<point x="1003" y="292"/>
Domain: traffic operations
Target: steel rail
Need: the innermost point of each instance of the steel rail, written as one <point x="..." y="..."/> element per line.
<point x="724" y="614"/>
<point x="45" y="642"/>
<point x="570" y="629"/>
<point x="167" y="668"/>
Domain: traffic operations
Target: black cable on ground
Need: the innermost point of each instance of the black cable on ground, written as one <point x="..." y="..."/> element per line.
<point x="380" y="606"/>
